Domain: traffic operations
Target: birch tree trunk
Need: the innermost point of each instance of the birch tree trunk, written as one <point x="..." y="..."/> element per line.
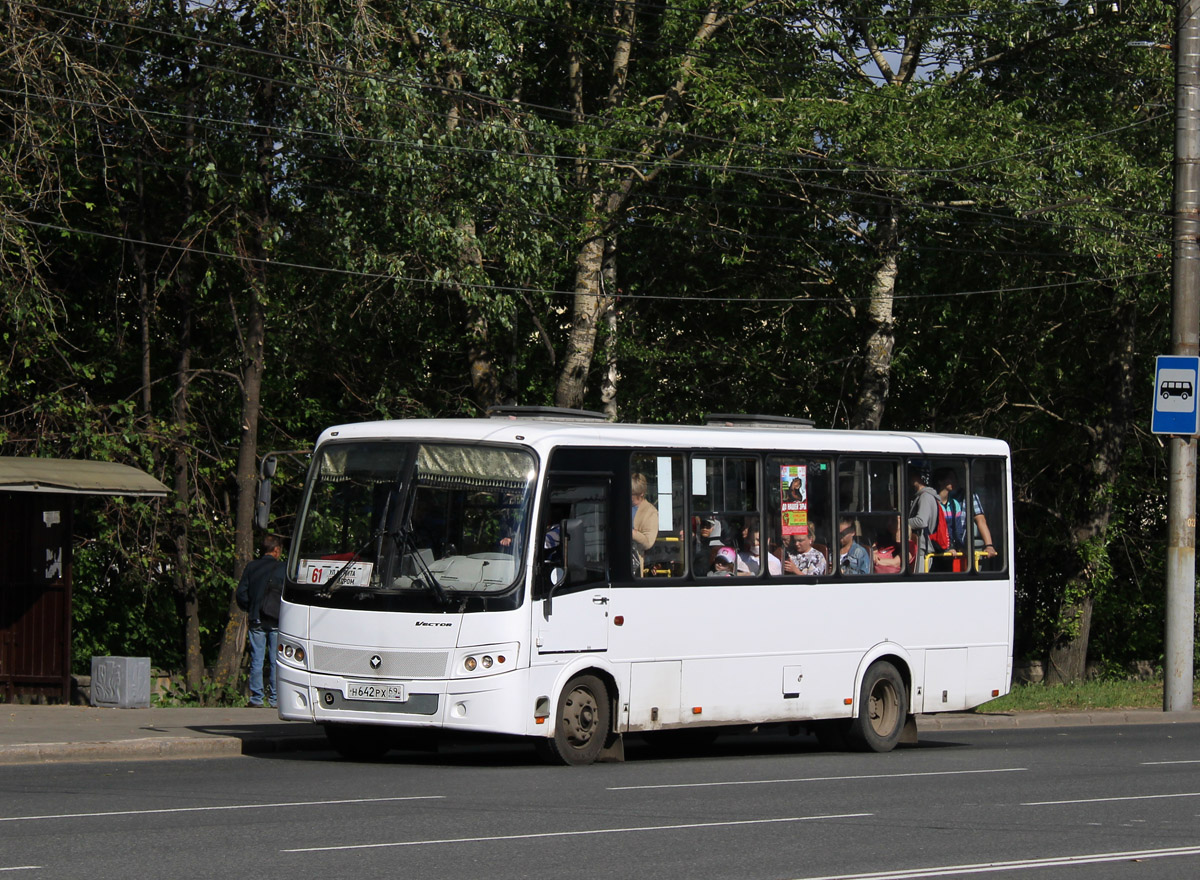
<point x="612" y="375"/>
<point x="877" y="352"/>
<point x="587" y="306"/>
<point x="611" y="187"/>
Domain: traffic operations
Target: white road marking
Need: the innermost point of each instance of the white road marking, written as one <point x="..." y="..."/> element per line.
<point x="1105" y="800"/>
<point x="815" y="779"/>
<point x="547" y="834"/>
<point x="226" y="807"/>
<point x="23" y="868"/>
<point x="1162" y="763"/>
<point x="1021" y="865"/>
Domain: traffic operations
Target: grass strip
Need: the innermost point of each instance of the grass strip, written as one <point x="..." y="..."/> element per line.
<point x="1097" y="694"/>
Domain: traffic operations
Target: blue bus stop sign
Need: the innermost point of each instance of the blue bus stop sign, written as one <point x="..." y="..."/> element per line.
<point x="1175" y="383"/>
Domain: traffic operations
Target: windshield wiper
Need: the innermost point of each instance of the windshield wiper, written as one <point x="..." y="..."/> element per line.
<point x="377" y="536"/>
<point x="334" y="582"/>
<point x="397" y="526"/>
<point x="425" y="576"/>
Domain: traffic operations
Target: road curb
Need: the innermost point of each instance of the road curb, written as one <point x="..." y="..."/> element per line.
<point x="1033" y="720"/>
<point x="155" y="748"/>
<point x="146" y="749"/>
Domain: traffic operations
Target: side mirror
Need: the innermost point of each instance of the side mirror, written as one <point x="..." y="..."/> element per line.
<point x="262" y="505"/>
<point x="574" y="552"/>
<point x="573" y="567"/>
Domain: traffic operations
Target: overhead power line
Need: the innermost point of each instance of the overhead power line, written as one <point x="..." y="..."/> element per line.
<point x="546" y="291"/>
<point x="878" y="195"/>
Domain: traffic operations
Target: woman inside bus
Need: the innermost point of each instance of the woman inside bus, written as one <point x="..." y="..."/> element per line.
<point x="886" y="553"/>
<point x="645" y="522"/>
<point x="803" y="557"/>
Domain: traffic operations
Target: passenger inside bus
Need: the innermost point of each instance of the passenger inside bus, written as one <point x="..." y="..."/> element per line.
<point x="954" y="505"/>
<point x="750" y="558"/>
<point x="706" y="537"/>
<point x="724" y="562"/>
<point x="710" y="534"/>
<point x="853" y="557"/>
<point x="645" y="522"/>
<point x="923" y="512"/>
<point x="803" y="557"/>
<point x="885" y="554"/>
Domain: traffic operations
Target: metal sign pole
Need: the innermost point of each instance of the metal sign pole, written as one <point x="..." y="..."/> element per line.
<point x="1185" y="329"/>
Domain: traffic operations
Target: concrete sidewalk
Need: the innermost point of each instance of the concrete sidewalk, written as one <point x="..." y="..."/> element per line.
<point x="44" y="734"/>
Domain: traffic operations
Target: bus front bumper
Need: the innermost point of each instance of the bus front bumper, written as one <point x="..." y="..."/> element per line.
<point x="480" y="704"/>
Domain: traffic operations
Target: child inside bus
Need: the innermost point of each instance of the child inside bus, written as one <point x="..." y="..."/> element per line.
<point x="724" y="562"/>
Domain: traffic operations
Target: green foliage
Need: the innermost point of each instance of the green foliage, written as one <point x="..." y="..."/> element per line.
<point x="209" y="693"/>
<point x="1101" y="693"/>
<point x="405" y="186"/>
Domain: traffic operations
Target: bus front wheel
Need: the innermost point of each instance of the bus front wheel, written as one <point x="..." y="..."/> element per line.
<point x="582" y="724"/>
<point x="883" y="709"/>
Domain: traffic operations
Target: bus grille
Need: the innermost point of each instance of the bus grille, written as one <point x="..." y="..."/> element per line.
<point x="360" y="663"/>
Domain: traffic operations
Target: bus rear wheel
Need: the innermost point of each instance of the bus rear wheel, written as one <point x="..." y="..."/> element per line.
<point x="581" y="726"/>
<point x="883" y="709"/>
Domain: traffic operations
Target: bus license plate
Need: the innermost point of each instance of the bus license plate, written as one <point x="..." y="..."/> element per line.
<point x="366" y="691"/>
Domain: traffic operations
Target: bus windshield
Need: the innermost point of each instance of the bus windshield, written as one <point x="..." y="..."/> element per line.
<point x="397" y="517"/>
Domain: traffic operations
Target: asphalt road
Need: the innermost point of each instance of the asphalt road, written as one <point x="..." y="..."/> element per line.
<point x="1097" y="802"/>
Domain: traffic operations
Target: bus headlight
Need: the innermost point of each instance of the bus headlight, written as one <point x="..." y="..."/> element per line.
<point x="291" y="654"/>
<point x="486" y="660"/>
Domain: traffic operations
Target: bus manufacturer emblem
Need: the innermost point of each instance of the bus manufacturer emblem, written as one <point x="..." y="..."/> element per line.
<point x="376" y="661"/>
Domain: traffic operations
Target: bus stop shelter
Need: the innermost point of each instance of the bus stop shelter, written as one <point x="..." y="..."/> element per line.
<point x="37" y="504"/>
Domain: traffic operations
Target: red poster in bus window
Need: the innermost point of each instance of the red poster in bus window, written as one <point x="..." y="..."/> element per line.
<point x="793" y="508"/>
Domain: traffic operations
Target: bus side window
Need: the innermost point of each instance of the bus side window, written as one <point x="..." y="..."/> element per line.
<point x="800" y="506"/>
<point x="663" y="475"/>
<point x="868" y="496"/>
<point x="987" y="524"/>
<point x="724" y="509"/>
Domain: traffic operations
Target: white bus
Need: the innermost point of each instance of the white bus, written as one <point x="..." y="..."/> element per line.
<point x="487" y="575"/>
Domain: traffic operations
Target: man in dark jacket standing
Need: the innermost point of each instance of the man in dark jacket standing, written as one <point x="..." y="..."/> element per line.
<point x="262" y="578"/>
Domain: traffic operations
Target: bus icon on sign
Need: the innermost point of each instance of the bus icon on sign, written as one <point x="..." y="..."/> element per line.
<point x="1175" y="389"/>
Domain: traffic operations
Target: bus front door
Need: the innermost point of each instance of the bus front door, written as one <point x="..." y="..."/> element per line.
<point x="572" y="612"/>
